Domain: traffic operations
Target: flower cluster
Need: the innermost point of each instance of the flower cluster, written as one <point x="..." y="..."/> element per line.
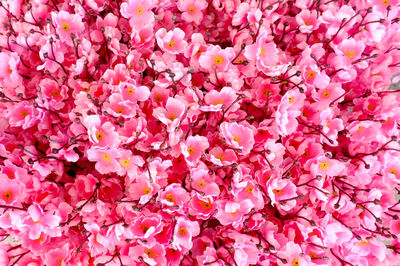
<point x="199" y="132"/>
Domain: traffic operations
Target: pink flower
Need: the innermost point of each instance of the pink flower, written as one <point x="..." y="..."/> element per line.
<point x="120" y="108"/>
<point x="193" y="148"/>
<point x="22" y="115"/>
<point x="203" y="182"/>
<point x="324" y="166"/>
<point x="172" y="41"/>
<point x="184" y="231"/>
<point x="238" y="136"/>
<point x="232" y="212"/>
<point x="138" y="12"/>
<point x="307" y="21"/>
<point x="372" y="104"/>
<point x="264" y="53"/>
<point x="220" y="157"/>
<point x="151" y="254"/>
<point x="40" y="222"/>
<point x="101" y="134"/>
<point x="54" y="93"/>
<point x="283" y="192"/>
<point x="146" y="226"/>
<point x="293" y="255"/>
<point x="351" y="49"/>
<point x="221" y="100"/>
<point x="202" y="207"/>
<point x="10" y="191"/>
<point x="133" y="93"/>
<point x="98" y="243"/>
<point x="173" y="198"/>
<point x="171" y="114"/>
<point x="57" y="256"/>
<point x="106" y="159"/>
<point x="9" y="76"/>
<point x="129" y="163"/>
<point x="216" y="57"/>
<point x="288" y="111"/>
<point x="192" y="10"/>
<point x="142" y="189"/>
<point x="67" y="24"/>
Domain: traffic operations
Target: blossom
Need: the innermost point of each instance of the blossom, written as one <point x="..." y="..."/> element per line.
<point x="192" y="10"/>
<point x="171" y="42"/>
<point x="184" y="231"/>
<point x="238" y="136"/>
<point x="67" y="24"/>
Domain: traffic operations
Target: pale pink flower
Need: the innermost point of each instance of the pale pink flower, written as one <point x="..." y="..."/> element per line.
<point x="172" y="41"/>
<point x="325" y="166"/>
<point x="106" y="159"/>
<point x="142" y="189"/>
<point x="173" y="198"/>
<point x="192" y="10"/>
<point x="232" y="212"/>
<point x="138" y="12"/>
<point x="220" y="100"/>
<point x="133" y="93"/>
<point x="193" y="148"/>
<point x="216" y="57"/>
<point x="238" y="136"/>
<point x="101" y="134"/>
<point x="307" y="21"/>
<point x="67" y="24"/>
<point x="57" y="256"/>
<point x="171" y="114"/>
<point x="10" y="191"/>
<point x="151" y="254"/>
<point x="22" y="115"/>
<point x="146" y="226"/>
<point x="281" y="192"/>
<point x="220" y="157"/>
<point x="203" y="182"/>
<point x="9" y="76"/>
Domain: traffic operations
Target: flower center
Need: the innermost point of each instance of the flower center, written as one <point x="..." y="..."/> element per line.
<point x="146" y="190"/>
<point x="350" y="53"/>
<point x="236" y="138"/>
<point x="323" y="166"/>
<point x="106" y="157"/>
<point x="295" y="262"/>
<point x="262" y="52"/>
<point x="23" y="113"/>
<point x="218" y="60"/>
<point x="65" y="26"/>
<point x="130" y="90"/>
<point x="171" y="44"/>
<point x="201" y="183"/>
<point x="100" y="135"/>
<point x="192" y="9"/>
<point x="7" y="195"/>
<point x="150" y="253"/>
<point x="326" y="94"/>
<point x="291" y="99"/>
<point x="190" y="150"/>
<point x="139" y="10"/>
<point x="182" y="231"/>
<point x="278" y="191"/>
<point x="170" y="197"/>
<point x="126" y="162"/>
